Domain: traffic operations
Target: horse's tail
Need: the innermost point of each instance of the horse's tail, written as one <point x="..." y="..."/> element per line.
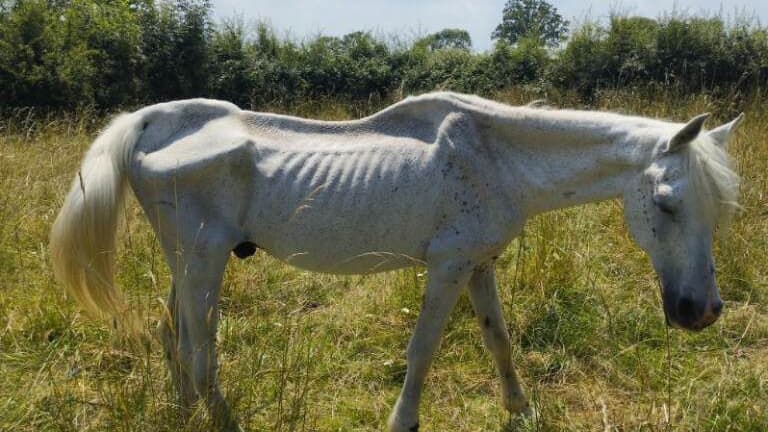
<point x="83" y="236"/>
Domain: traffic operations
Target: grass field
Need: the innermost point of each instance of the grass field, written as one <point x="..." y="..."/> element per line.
<point x="308" y="352"/>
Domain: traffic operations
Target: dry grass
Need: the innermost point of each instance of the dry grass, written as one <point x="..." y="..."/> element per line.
<point x="307" y="352"/>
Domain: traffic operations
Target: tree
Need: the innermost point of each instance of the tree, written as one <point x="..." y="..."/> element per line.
<point x="229" y="77"/>
<point x="535" y="19"/>
<point x="26" y="75"/>
<point x="175" y="41"/>
<point x="447" y="39"/>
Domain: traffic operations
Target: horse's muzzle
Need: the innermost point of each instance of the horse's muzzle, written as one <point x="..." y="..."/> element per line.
<point x="692" y="314"/>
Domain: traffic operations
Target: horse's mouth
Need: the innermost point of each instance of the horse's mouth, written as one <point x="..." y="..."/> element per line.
<point x="694" y="326"/>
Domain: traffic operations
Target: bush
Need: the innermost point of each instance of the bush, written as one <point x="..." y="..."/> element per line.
<point x="581" y="65"/>
<point x="175" y="49"/>
<point x="113" y="53"/>
<point x="95" y="51"/>
<point x="25" y="65"/>
<point x="230" y="71"/>
<point x="354" y="66"/>
<point x="691" y="51"/>
<point x="688" y="54"/>
<point x="444" y="69"/>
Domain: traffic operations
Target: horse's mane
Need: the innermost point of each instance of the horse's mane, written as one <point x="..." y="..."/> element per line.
<point x="713" y="179"/>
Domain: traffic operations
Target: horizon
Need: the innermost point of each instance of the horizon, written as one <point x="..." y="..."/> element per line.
<point x="399" y="18"/>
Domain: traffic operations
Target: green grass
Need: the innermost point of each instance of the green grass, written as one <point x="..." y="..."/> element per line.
<point x="307" y="352"/>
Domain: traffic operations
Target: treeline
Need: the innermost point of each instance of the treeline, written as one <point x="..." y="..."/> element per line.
<point x="66" y="54"/>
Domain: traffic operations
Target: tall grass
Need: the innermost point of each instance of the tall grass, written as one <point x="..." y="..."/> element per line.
<point x="307" y="352"/>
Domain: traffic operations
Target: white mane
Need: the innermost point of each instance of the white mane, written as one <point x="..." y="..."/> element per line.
<point x="713" y="179"/>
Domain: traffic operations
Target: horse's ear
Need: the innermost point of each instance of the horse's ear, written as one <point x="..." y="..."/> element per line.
<point x="688" y="133"/>
<point x="722" y="134"/>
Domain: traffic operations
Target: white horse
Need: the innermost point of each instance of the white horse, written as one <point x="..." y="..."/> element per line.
<point x="441" y="180"/>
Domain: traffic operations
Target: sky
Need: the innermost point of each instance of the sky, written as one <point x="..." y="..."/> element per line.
<point x="412" y="18"/>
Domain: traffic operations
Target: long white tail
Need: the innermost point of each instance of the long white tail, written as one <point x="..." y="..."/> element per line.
<point x="83" y="235"/>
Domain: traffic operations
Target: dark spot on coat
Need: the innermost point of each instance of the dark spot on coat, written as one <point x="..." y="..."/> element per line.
<point x="569" y="194"/>
<point x="244" y="249"/>
<point x="487" y="322"/>
<point x="414" y="428"/>
<point x="144" y="126"/>
<point x="166" y="203"/>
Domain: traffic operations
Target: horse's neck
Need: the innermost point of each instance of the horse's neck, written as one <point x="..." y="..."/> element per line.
<point x="561" y="159"/>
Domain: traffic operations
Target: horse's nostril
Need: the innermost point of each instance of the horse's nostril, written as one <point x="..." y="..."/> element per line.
<point x="717" y="308"/>
<point x="685" y="308"/>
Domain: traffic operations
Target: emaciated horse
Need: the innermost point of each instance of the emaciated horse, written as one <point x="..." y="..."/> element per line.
<point x="442" y="180"/>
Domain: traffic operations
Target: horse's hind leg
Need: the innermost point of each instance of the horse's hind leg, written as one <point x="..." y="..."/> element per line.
<point x="194" y="312"/>
<point x="485" y="300"/>
<point x="169" y="336"/>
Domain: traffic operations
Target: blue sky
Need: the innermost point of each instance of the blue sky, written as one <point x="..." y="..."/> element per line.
<point x="411" y="18"/>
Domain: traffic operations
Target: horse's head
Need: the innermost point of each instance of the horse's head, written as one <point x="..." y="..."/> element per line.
<point x="672" y="208"/>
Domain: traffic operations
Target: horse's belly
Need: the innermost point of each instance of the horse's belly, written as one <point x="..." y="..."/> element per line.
<point x="375" y="236"/>
<point x="370" y="219"/>
<point x="349" y="208"/>
<point x="341" y="262"/>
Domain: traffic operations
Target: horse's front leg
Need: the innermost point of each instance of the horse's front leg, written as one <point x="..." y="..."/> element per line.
<point x="484" y="296"/>
<point x="445" y="283"/>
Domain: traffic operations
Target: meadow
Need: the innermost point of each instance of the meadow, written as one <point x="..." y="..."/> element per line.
<point x="309" y="352"/>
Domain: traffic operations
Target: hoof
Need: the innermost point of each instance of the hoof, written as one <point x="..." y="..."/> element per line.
<point x="395" y="425"/>
<point x="399" y="428"/>
<point x="525" y="420"/>
<point x="517" y="406"/>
